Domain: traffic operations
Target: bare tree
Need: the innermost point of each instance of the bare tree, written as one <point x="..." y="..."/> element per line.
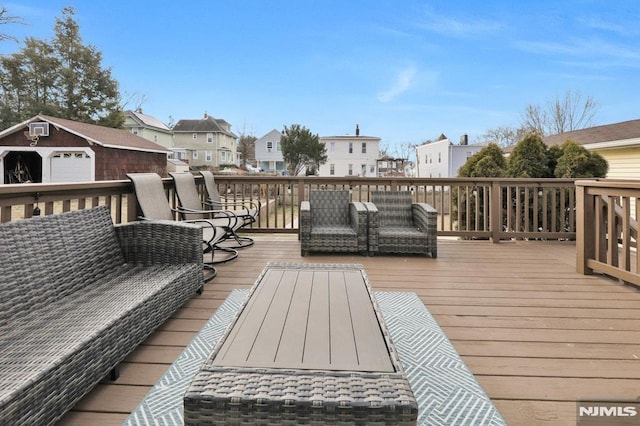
<point x="247" y="147"/>
<point x="571" y="111"/>
<point x="5" y="19"/>
<point x="503" y="135"/>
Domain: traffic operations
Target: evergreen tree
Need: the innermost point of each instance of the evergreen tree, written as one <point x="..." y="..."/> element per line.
<point x="529" y="158"/>
<point x="301" y="148"/>
<point x="488" y="162"/>
<point x="63" y="77"/>
<point x="578" y="162"/>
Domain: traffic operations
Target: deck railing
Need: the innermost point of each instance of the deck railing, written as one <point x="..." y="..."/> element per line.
<point x="607" y="229"/>
<point x="483" y="208"/>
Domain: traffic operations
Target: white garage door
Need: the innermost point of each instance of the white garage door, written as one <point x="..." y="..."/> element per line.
<point x="71" y="167"/>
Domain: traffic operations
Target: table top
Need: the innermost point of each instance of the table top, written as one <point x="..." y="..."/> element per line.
<point x="313" y="318"/>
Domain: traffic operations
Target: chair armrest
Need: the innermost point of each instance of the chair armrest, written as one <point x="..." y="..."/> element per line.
<point x="373" y="227"/>
<point x="158" y="241"/>
<point x="305" y="219"/>
<point x="224" y="203"/>
<point x="425" y="217"/>
<point x="358" y="215"/>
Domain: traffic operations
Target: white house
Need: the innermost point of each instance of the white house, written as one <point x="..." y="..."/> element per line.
<point x="442" y="159"/>
<point x="268" y="153"/>
<point x="350" y="155"/>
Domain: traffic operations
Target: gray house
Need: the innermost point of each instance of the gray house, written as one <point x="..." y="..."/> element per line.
<point x="268" y="153"/>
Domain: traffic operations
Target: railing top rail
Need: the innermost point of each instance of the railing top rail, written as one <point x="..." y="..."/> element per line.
<point x="10" y="190"/>
<point x="610" y="183"/>
<point x="430" y="180"/>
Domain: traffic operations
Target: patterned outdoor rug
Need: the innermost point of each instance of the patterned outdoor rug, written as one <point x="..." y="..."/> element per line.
<point x="446" y="391"/>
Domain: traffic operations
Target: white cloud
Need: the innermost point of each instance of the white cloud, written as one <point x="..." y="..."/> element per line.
<point x="403" y="81"/>
<point x="463" y="27"/>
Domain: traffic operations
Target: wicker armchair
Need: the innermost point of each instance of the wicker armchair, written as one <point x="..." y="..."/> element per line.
<point x="398" y="225"/>
<point x="330" y="223"/>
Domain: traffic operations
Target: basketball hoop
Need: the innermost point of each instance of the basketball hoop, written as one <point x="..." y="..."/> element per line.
<point x="32" y="137"/>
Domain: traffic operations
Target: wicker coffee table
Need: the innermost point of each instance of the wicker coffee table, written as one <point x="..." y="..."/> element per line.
<point x="309" y="345"/>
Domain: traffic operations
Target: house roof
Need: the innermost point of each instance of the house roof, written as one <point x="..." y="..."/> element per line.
<point x="147" y="120"/>
<point x="99" y="135"/>
<point x="207" y="124"/>
<point x="611" y="134"/>
<point x="272" y="135"/>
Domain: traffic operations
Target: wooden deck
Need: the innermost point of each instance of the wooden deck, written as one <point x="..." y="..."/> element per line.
<point x="537" y="336"/>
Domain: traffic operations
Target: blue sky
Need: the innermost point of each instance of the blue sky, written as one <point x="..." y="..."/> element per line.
<point x="405" y="71"/>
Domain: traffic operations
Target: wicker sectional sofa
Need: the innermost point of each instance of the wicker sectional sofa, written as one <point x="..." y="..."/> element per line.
<point x="77" y="295"/>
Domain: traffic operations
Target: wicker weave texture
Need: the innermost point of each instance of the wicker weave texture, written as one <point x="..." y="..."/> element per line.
<point x="93" y="303"/>
<point x="397" y="225"/>
<point x="330" y="223"/>
<point x="228" y="395"/>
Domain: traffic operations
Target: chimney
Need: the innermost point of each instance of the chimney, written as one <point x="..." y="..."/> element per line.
<point x="206" y="116"/>
<point x="357" y="130"/>
<point x="464" y="139"/>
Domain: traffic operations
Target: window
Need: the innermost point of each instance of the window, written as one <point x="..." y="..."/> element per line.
<point x="363" y="169"/>
<point x="223" y="156"/>
<point x="430" y="159"/>
<point x="195" y="155"/>
<point x="332" y="147"/>
<point x="372" y="169"/>
<point x="439" y="157"/>
<point x="350" y="169"/>
<point x="364" y="147"/>
<point x="332" y="169"/>
<point x="469" y="154"/>
<point x="208" y="156"/>
<point x="209" y="137"/>
<point x="269" y="146"/>
<point x="134" y="130"/>
<point x="155" y="138"/>
<point x="194" y="136"/>
<point x="278" y="146"/>
<point x="350" y="147"/>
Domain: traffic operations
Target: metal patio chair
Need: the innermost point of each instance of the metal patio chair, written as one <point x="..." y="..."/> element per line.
<point x="154" y="204"/>
<point x="192" y="207"/>
<point x="247" y="211"/>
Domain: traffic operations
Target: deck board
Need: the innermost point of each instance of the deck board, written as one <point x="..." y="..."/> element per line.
<point x="537" y="335"/>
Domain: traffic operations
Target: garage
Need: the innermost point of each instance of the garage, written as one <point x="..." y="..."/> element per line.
<point x="71" y="151"/>
<point x="70" y="167"/>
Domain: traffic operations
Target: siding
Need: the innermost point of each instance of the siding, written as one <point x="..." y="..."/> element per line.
<point x="623" y="163"/>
